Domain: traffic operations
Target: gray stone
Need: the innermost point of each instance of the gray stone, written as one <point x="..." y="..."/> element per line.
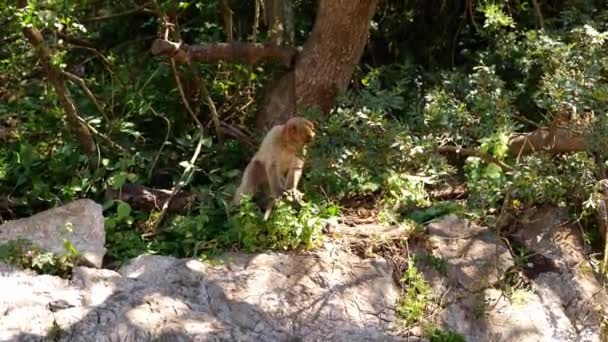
<point x="80" y="222"/>
<point x="471" y="253"/>
<point x="566" y="303"/>
<point x="325" y="295"/>
<point x="490" y="316"/>
<point x="550" y="232"/>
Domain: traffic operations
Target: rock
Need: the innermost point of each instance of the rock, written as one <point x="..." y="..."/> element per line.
<point x="469" y="252"/>
<point x="26" y="301"/>
<point x="48" y="230"/>
<point x="326" y="295"/>
<point x="564" y="303"/>
<point x="550" y="232"/>
<point x="577" y="298"/>
<point x="490" y="316"/>
<point x="571" y="286"/>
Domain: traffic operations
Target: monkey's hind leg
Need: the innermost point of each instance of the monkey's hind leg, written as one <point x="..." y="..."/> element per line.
<point x="253" y="177"/>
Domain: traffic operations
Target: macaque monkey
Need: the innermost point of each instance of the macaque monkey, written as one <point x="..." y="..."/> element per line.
<point x="277" y="165"/>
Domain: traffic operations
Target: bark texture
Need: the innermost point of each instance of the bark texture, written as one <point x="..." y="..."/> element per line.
<point x="325" y="66"/>
<point x="250" y="53"/>
<point x="560" y="140"/>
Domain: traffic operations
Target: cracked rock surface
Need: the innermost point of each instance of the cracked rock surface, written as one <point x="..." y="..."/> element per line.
<point x="264" y="297"/>
<point x="562" y="302"/>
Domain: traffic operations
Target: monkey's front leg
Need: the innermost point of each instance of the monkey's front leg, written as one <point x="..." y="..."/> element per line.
<point x="293" y="179"/>
<point x="275" y="180"/>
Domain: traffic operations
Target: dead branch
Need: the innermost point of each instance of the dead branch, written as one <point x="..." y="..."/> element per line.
<point x="238" y="134"/>
<point x="147" y="199"/>
<point x="475" y="153"/>
<point x="561" y="140"/>
<point x="202" y="89"/>
<point x="449" y="192"/>
<point x="111" y="142"/>
<point x="249" y="53"/>
<point x="538" y="14"/>
<point x="189" y="170"/>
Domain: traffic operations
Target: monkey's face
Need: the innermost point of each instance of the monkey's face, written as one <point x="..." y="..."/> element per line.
<point x="300" y="130"/>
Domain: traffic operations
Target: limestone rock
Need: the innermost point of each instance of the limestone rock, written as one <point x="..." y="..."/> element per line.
<point x="564" y="301"/>
<point x="469" y="252"/>
<point x="49" y="228"/>
<point x="490" y="316"/>
<point x="326" y="295"/>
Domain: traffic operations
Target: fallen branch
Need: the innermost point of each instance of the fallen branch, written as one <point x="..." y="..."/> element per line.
<point x="476" y="153"/>
<point x="249" y="53"/>
<point x="147" y="199"/>
<point x="448" y="192"/>
<point x="561" y="140"/>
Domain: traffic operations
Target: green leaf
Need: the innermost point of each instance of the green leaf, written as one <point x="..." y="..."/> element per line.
<point x="123" y="210"/>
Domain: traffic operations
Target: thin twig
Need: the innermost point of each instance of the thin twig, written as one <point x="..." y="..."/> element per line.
<point x="103" y="136"/>
<point x="212" y="109"/>
<point x="80" y="82"/>
<point x="186" y="175"/>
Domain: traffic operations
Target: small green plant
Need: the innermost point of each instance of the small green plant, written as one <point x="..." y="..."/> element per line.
<point x="436" y="262"/>
<point x="285" y="229"/>
<point x="415" y="297"/>
<point x="434" y="334"/>
<point x="24" y="253"/>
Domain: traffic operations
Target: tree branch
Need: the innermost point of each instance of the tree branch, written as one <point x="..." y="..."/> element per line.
<point x="476" y="153"/>
<point x="561" y="140"/>
<point x="80" y="82"/>
<point x="139" y="9"/>
<point x="249" y="53"/>
<point x="144" y="198"/>
<point x="76" y="127"/>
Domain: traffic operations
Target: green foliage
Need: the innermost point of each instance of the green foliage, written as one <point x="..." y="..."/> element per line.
<point x="423" y="84"/>
<point x="359" y="152"/>
<point x="486" y="183"/>
<point x="435" y="334"/>
<point x="26" y="254"/>
<point x="285" y="229"/>
<point x="415" y="297"/>
<point x="435" y="210"/>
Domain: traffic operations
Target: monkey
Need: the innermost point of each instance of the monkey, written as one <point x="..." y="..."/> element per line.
<point x="277" y="165"/>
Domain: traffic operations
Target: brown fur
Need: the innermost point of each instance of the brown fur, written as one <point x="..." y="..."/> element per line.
<point x="277" y="165"/>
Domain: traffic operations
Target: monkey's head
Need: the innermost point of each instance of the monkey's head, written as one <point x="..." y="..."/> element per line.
<point x="300" y="130"/>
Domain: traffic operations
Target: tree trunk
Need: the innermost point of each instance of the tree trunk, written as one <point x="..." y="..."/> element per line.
<point x="325" y="66"/>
